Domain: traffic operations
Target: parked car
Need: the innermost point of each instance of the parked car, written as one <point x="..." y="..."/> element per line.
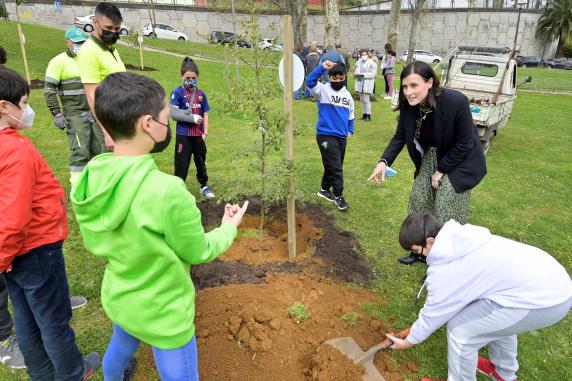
<point x="559" y="63"/>
<point x="423" y="55"/>
<point x="529" y="61"/>
<point x="378" y="53"/>
<point x="218" y="37"/>
<point x="269" y="43"/>
<point x="164" y="31"/>
<point x="86" y="23"/>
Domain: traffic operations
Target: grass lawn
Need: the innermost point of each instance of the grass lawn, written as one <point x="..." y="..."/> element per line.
<point x="525" y="195"/>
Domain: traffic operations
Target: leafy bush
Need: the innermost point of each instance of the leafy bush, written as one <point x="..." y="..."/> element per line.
<point x="567" y="50"/>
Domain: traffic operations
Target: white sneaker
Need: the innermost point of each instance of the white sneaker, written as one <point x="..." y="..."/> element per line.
<point x="207" y="192"/>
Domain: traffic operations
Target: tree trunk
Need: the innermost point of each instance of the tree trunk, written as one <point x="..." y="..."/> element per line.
<point x="393" y="31"/>
<point x="151" y="11"/>
<point x="560" y="46"/>
<point x="332" y="23"/>
<point x="415" y="19"/>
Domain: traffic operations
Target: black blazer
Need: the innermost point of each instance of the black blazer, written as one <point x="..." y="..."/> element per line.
<point x="459" y="150"/>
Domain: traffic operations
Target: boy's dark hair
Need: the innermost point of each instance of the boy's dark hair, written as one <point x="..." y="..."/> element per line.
<point x="189" y="65"/>
<point x="426" y="72"/>
<point x="417" y="228"/>
<point x="339" y="69"/>
<point x="122" y="98"/>
<point x="110" y="11"/>
<point x="12" y="86"/>
<point x="3" y="57"/>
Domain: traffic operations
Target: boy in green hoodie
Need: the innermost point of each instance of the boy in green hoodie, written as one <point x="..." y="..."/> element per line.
<point x="147" y="226"/>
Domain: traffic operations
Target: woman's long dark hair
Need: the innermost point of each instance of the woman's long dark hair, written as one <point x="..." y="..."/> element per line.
<point x="189" y="65"/>
<point x="426" y="72"/>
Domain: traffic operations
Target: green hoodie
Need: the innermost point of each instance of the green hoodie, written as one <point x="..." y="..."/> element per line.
<point x="147" y="226"/>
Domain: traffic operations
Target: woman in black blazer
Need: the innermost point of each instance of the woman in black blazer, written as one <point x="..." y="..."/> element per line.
<point x="436" y="125"/>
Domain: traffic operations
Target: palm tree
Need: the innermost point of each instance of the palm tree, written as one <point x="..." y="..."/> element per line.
<point x="556" y="22"/>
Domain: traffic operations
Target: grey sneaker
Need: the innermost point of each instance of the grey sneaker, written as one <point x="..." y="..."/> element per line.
<point x="207" y="192"/>
<point x="327" y="195"/>
<point x="77" y="302"/>
<point x="10" y="353"/>
<point x="90" y="365"/>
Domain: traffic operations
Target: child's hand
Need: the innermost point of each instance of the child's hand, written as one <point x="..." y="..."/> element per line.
<point x="328" y="64"/>
<point x="198" y="119"/>
<point x="234" y="213"/>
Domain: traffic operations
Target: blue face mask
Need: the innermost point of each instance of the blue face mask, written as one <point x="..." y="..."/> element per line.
<point x="190" y="83"/>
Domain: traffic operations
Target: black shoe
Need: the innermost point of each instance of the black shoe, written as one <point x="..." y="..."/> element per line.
<point x="129" y="372"/>
<point x="325" y="194"/>
<point x="421" y="258"/>
<point x="412" y="258"/>
<point x="364" y="117"/>
<point x="341" y="203"/>
<point x="367" y="118"/>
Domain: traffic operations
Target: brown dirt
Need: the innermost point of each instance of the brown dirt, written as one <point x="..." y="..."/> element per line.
<point x="138" y="68"/>
<point x="243" y="327"/>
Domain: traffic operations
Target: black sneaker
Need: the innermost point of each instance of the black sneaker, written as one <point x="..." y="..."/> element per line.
<point x="129" y="372"/>
<point x="341" y="203"/>
<point x="325" y="194"/>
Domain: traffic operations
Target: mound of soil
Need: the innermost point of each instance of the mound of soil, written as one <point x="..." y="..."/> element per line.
<point x="320" y="246"/>
<point x="138" y="68"/>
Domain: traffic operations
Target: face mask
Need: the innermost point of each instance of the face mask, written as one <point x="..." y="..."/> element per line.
<point x="27" y="118"/>
<point x="364" y="58"/>
<point x="337" y="86"/>
<point x="109" y="37"/>
<point x="190" y="83"/>
<point x="160" y="146"/>
<point x="76" y="48"/>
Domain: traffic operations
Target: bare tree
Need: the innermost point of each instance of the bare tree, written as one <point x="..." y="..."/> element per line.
<point x="417" y="6"/>
<point x="393" y="31"/>
<point x="298" y="9"/>
<point x="332" y="23"/>
<point x="151" y="9"/>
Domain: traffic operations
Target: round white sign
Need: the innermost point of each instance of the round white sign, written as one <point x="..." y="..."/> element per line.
<point x="297" y="72"/>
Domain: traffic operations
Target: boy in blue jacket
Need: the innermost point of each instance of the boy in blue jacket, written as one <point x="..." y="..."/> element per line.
<point x="335" y="125"/>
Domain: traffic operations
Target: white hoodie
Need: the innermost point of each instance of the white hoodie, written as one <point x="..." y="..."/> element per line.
<point x="468" y="263"/>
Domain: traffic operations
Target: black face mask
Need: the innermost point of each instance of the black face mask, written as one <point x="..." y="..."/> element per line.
<point x="337" y="86"/>
<point x="160" y="146"/>
<point x="109" y="37"/>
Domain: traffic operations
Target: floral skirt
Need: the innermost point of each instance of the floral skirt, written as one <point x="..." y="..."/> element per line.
<point x="445" y="203"/>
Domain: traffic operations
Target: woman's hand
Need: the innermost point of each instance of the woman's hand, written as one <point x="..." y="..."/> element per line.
<point x="378" y="174"/>
<point x="436" y="180"/>
<point x="234" y="213"/>
<point x="399" y="343"/>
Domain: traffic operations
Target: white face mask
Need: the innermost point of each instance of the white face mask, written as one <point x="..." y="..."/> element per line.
<point x="364" y="58"/>
<point x="76" y="48"/>
<point x="27" y="118"/>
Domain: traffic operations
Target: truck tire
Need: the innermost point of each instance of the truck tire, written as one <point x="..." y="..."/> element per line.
<point x="486" y="144"/>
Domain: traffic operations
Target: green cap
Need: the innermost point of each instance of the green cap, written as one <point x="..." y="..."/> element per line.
<point x="75" y="35"/>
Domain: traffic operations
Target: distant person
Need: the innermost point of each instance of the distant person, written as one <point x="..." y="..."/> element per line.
<point x="299" y="53"/>
<point x="312" y="62"/>
<point x="365" y="74"/>
<point x="334" y="127"/>
<point x="436" y="125"/>
<point x="190" y="109"/>
<point x="63" y="85"/>
<point x="147" y="226"/>
<point x="33" y="226"/>
<point x="388" y="68"/>
<point x="3" y="57"/>
<point x="334" y="56"/>
<point x="98" y="57"/>
<point x="487" y="289"/>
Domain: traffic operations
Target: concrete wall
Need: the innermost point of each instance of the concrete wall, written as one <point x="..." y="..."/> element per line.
<point x="440" y="29"/>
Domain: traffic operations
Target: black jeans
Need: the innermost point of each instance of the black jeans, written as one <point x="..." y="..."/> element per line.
<point x="333" y="150"/>
<point x="39" y="291"/>
<point x="187" y="147"/>
<point x="6" y="322"/>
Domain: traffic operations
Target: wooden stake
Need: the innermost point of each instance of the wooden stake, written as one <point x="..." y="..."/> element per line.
<point x="140" y="40"/>
<point x="287" y="38"/>
<point x="22" y="42"/>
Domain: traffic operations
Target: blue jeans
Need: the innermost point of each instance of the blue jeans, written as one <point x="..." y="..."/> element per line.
<point x="298" y="94"/>
<point x="39" y="291"/>
<point x="179" y="364"/>
<point x="307" y="93"/>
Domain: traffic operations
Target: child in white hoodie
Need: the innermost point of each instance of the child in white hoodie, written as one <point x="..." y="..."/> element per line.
<point x="487" y="289"/>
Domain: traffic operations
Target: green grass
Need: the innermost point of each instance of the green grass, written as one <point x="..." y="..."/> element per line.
<point x="547" y="79"/>
<point x="525" y="196"/>
<point x="299" y="312"/>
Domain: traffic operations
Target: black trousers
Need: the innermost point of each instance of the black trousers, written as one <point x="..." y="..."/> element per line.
<point x="333" y="150"/>
<point x="6" y="322"/>
<point x="185" y="148"/>
<point x="386" y="85"/>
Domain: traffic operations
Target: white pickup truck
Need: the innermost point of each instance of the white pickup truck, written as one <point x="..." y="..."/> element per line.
<point x="488" y="77"/>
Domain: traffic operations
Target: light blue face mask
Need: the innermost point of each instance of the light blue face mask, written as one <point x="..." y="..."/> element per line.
<point x="76" y="48"/>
